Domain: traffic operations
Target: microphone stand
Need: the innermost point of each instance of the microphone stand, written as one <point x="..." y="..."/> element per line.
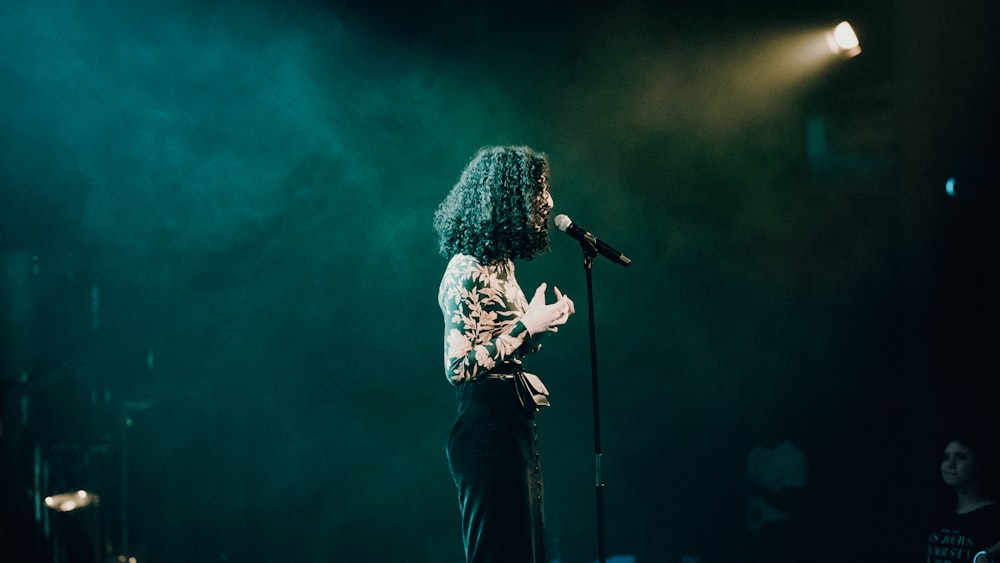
<point x="589" y="252"/>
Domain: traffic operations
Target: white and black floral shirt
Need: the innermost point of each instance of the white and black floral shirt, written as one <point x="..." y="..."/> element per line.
<point x="482" y="305"/>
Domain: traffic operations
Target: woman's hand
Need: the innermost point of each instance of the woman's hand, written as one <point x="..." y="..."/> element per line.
<point x="542" y="317"/>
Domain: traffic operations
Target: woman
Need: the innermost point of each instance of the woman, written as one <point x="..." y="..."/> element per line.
<point x="497" y="212"/>
<point x="970" y="529"/>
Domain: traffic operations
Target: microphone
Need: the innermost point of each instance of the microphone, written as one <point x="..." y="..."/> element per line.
<point x="566" y="225"/>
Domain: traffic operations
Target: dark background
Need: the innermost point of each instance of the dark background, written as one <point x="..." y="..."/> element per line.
<point x="219" y="309"/>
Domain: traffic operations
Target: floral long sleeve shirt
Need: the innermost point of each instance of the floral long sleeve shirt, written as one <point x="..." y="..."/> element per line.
<point x="482" y="306"/>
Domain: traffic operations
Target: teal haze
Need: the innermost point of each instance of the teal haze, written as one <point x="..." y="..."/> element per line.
<point x="216" y="219"/>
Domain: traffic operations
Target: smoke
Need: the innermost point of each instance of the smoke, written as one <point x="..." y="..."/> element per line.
<point x="183" y="128"/>
<point x="252" y="189"/>
<point x="248" y="189"/>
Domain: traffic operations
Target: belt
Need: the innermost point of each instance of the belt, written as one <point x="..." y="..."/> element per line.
<point x="507" y="368"/>
<point x="499" y="376"/>
<point x="531" y="392"/>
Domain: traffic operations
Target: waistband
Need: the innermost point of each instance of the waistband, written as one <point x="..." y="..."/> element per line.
<point x="506" y="370"/>
<point x="499" y="376"/>
<point x="530" y="390"/>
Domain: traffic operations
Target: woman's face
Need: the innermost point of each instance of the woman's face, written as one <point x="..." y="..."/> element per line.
<point x="958" y="465"/>
<point x="544" y="181"/>
<point x="547" y="203"/>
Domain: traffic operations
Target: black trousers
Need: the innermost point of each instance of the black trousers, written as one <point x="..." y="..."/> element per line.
<point x="494" y="462"/>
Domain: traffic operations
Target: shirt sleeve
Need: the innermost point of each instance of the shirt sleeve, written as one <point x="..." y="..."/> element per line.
<point x="482" y="326"/>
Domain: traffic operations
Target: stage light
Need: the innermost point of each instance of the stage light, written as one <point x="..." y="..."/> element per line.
<point x="68" y="502"/>
<point x="843" y="41"/>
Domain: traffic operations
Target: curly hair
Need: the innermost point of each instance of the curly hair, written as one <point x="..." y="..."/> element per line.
<point x="499" y="209"/>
